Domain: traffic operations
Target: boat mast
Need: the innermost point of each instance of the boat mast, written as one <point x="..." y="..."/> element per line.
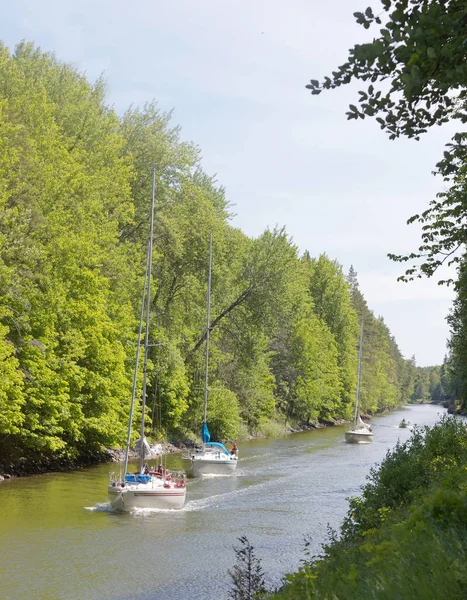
<point x="148" y="302"/>
<point x="135" y="373"/>
<point x="357" y="403"/>
<point x="208" y="319"/>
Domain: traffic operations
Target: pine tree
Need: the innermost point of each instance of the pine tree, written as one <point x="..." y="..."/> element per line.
<point x="247" y="575"/>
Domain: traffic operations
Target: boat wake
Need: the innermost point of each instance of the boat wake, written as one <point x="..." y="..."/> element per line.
<point x="216" y="475"/>
<point x="244" y="459"/>
<point x="105" y="507"/>
<point x="203" y="503"/>
<point x="150" y="511"/>
<point x="100" y="507"/>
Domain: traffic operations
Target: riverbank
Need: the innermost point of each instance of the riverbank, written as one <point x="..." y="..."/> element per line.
<point x="40" y="465"/>
<point x="405" y="536"/>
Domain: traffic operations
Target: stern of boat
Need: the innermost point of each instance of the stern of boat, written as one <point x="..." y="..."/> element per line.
<point x="357" y="437"/>
<point x="156" y="493"/>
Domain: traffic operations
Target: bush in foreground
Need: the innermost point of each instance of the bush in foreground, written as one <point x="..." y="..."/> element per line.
<point x="406" y="536"/>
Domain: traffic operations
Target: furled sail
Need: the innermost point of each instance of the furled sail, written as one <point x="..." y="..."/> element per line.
<point x="205" y="436"/>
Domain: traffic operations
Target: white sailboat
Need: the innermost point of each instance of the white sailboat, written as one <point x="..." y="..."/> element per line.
<point x="361" y="433"/>
<point x="147" y="488"/>
<point x="213" y="458"/>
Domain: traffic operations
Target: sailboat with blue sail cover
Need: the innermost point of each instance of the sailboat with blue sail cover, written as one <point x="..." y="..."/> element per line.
<point x="213" y="458"/>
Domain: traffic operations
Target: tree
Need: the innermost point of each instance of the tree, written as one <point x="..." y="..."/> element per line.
<point x="382" y="371"/>
<point x="421" y="52"/>
<point x="331" y="295"/>
<point x="65" y="200"/>
<point x="457" y="321"/>
<point x="265" y="274"/>
<point x="247" y="575"/>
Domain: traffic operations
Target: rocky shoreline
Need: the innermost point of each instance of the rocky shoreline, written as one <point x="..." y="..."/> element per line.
<point x="42" y="465"/>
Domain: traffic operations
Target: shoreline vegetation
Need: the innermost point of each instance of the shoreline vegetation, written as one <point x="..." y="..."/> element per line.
<point x="43" y="465"/>
<point x="39" y="465"/>
<point x="404" y="536"/>
<point x="75" y="184"/>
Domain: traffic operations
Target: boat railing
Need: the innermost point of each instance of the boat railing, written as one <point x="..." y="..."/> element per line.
<point x="115" y="479"/>
<point x="179" y="478"/>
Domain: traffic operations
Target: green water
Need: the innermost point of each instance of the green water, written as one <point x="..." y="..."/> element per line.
<point x="59" y="539"/>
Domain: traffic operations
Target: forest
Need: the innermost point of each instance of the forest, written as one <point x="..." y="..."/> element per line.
<point x="75" y="189"/>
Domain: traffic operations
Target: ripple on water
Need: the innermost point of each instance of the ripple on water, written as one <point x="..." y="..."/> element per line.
<point x="284" y="489"/>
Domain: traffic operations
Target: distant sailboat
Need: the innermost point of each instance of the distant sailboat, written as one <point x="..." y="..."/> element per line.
<point x="213" y="458"/>
<point x="361" y="433"/>
<point x="155" y="488"/>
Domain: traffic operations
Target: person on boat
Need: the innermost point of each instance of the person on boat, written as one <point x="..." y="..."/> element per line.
<point x="234" y="450"/>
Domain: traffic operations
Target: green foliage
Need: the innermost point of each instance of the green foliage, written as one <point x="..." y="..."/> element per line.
<point x="248" y="582"/>
<point x="333" y="304"/>
<point x="66" y="198"/>
<point x="172" y="384"/>
<point x="456" y="381"/>
<point x="314" y="357"/>
<point x="75" y="188"/>
<point x="223" y="414"/>
<point x="421" y="52"/>
<point x="11" y="397"/>
<point x="386" y="376"/>
<point x="409" y="522"/>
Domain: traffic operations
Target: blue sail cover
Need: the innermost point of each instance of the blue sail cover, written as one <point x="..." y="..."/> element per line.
<point x="205" y="434"/>
<point x="219" y="445"/>
<point x="137" y="478"/>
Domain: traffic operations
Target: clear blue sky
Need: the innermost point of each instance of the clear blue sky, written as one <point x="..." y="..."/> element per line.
<point x="234" y="72"/>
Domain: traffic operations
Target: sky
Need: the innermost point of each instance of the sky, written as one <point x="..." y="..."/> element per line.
<point x="234" y="74"/>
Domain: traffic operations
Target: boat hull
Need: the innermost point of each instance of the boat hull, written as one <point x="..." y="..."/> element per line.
<point x="213" y="466"/>
<point x="141" y="496"/>
<point x="358" y="437"/>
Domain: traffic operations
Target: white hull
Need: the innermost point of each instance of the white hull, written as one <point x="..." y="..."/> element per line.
<point x="145" y="496"/>
<point x="213" y="466"/>
<point x="358" y="437"/>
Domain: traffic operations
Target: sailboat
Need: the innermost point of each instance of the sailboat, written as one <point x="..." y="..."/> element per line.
<point x="361" y="433"/>
<point x="213" y="458"/>
<point x="147" y="487"/>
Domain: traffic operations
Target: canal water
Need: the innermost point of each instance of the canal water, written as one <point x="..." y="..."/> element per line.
<point x="60" y="540"/>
